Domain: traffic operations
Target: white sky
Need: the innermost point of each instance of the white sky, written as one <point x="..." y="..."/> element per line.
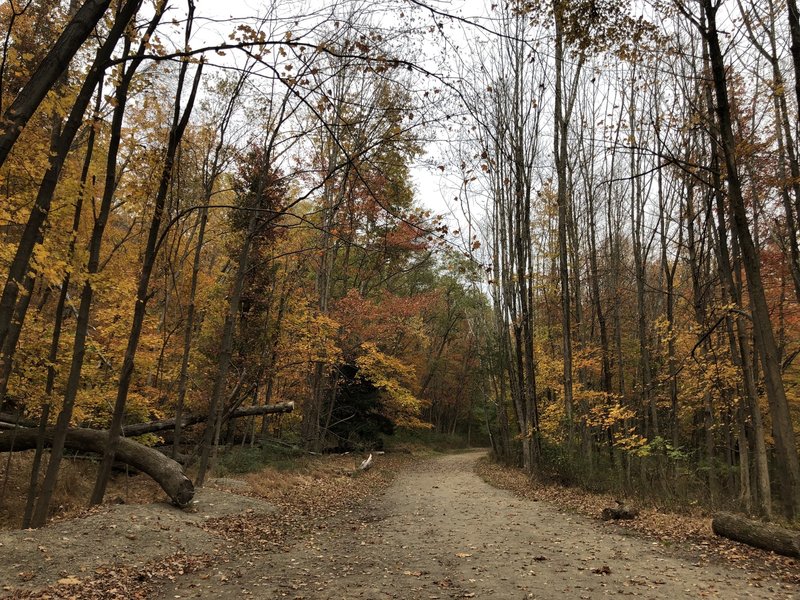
<point x="215" y="20"/>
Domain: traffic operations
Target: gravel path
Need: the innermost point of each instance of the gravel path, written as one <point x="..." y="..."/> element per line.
<point x="440" y="531"/>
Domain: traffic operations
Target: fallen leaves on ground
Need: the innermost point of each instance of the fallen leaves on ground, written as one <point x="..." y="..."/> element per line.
<point x="687" y="532"/>
<point x="120" y="582"/>
<point x="306" y="501"/>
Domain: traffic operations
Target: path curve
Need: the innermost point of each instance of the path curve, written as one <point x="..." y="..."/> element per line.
<point x="439" y="531"/>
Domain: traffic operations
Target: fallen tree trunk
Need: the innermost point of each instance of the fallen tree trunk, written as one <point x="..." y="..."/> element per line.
<point x="167" y="424"/>
<point x="10" y="420"/>
<point x="755" y="533"/>
<point x="182" y="459"/>
<point x="165" y="471"/>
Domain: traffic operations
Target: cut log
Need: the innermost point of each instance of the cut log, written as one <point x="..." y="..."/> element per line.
<point x="165" y="471"/>
<point x="621" y="511"/>
<point x="167" y="424"/>
<point x="757" y="534"/>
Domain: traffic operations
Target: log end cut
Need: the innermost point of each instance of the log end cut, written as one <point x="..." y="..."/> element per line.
<point x="184" y="493"/>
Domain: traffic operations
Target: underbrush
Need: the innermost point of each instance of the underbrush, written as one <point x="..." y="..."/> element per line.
<point x="657" y="480"/>
<point x="239" y="460"/>
<point x="273" y="466"/>
<point x="422" y="441"/>
<point x="73" y="488"/>
<point x="272" y="469"/>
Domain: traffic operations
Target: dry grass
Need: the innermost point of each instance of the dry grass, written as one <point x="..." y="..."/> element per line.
<point x="75" y="481"/>
<point x="323" y="477"/>
<point x="311" y="477"/>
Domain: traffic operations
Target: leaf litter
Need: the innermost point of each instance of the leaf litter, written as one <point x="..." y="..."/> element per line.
<point x="690" y="532"/>
<point x="291" y="505"/>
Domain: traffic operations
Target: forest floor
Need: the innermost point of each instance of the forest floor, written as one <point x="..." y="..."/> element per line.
<point x="409" y="528"/>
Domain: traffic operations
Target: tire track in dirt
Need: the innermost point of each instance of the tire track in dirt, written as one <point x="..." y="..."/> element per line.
<point x="439" y="531"/>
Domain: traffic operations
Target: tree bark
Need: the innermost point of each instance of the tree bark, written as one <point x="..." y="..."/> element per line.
<point x="14" y="331"/>
<point x="95" y="245"/>
<point x="755" y="533"/>
<point x="41" y="208"/>
<point x="179" y="123"/>
<point x="785" y="445"/>
<point x="55" y="339"/>
<point x="226" y="348"/>
<point x="794" y="29"/>
<point x="560" y="153"/>
<point x="641" y="252"/>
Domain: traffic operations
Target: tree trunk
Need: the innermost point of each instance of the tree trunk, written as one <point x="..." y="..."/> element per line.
<point x="211" y="435"/>
<point x="794" y="32"/>
<point x="215" y="170"/>
<point x="179" y="124"/>
<point x="226" y="348"/>
<point x="560" y="152"/>
<point x="52" y="355"/>
<point x="14" y="331"/>
<point x="188" y="331"/>
<point x="312" y="411"/>
<point x="640" y="260"/>
<point x="87" y="292"/>
<point x="186" y="420"/>
<point x="41" y="208"/>
<point x="785" y="445"/>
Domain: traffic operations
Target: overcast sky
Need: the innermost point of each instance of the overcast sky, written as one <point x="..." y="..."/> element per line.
<point x="215" y="19"/>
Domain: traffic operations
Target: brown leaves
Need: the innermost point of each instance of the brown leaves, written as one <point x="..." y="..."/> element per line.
<point x="688" y="531"/>
<point x="308" y="498"/>
<point x="122" y="582"/>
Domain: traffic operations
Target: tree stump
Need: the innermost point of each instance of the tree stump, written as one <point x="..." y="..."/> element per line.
<point x="622" y="511"/>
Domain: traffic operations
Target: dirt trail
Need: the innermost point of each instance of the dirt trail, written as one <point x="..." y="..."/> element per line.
<point x="129" y="535"/>
<point x="439" y="531"/>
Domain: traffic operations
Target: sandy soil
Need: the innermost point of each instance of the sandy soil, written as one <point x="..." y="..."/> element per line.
<point x="115" y="535"/>
<point x="440" y="531"/>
